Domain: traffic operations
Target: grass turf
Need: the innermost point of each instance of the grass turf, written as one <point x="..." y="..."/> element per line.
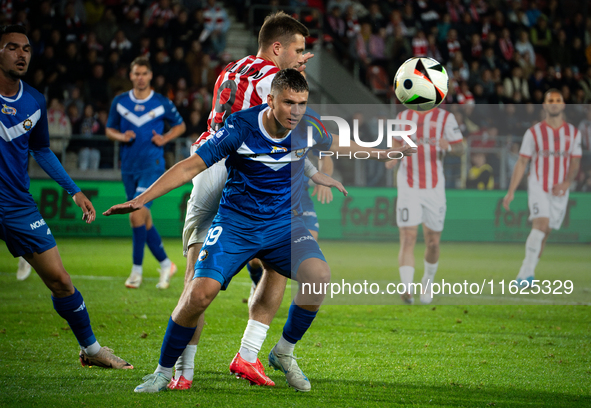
<point x="355" y="355"/>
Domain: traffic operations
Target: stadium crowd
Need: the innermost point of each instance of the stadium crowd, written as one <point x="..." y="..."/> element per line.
<point x="497" y="52"/>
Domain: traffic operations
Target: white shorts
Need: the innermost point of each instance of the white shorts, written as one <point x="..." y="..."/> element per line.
<point x="203" y="203"/>
<point x="545" y="205"/>
<point x="416" y="206"/>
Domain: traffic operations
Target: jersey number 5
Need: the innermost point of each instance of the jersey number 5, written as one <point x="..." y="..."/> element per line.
<point x="225" y="108"/>
<point x="213" y="235"/>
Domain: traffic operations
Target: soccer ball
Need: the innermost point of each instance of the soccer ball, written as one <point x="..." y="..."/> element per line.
<point x="421" y="83"/>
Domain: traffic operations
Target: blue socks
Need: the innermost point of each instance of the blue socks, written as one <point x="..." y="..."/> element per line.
<point x="73" y="310"/>
<point x="298" y="322"/>
<point x="155" y="244"/>
<point x="139" y="242"/>
<point x="175" y="341"/>
<point x="255" y="273"/>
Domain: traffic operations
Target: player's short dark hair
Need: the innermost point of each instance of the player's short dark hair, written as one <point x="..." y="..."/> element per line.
<point x="552" y="90"/>
<point x="281" y="27"/>
<point x="142" y="62"/>
<point x="13" y="28"/>
<point x="290" y="79"/>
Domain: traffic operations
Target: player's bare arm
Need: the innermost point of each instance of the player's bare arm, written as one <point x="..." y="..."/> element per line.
<point x="560" y="189"/>
<point x="327" y="181"/>
<point x="323" y="193"/>
<point x="455" y="149"/>
<point x="88" y="211"/>
<point x="173" y="133"/>
<point x="179" y="174"/>
<point x="115" y="135"/>
<point x="518" y="172"/>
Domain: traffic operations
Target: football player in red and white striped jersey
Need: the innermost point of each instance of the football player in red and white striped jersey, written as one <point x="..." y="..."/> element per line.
<point x="554" y="146"/>
<point x="421" y="193"/>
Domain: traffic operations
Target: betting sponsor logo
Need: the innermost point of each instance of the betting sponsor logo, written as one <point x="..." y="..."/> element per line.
<point x="139" y="108"/>
<point x="8" y="110"/>
<point x="278" y="149"/>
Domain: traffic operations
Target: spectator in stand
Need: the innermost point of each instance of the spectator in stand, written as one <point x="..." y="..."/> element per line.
<point x="498" y="98"/>
<point x="516" y="83"/>
<point x="335" y="30"/>
<point x="560" y="51"/>
<point x="525" y="48"/>
<point x="411" y="21"/>
<point x="160" y="9"/>
<point x="60" y="128"/>
<point x="453" y="45"/>
<point x="490" y="60"/>
<point x="579" y="61"/>
<point x="75" y="98"/>
<point x="585" y="84"/>
<point x="456" y="10"/>
<point x="541" y="37"/>
<point x="72" y="25"/>
<point x="375" y="17"/>
<point x="506" y="45"/>
<point x="94" y="10"/>
<point x="466" y="29"/>
<point x="474" y="51"/>
<point x="177" y="66"/>
<point x="180" y="30"/>
<point x="464" y="96"/>
<point x="420" y="44"/>
<point x="395" y="22"/>
<point x="122" y="45"/>
<point x="443" y="28"/>
<point x="120" y="82"/>
<point x="458" y="63"/>
<point x="376" y="47"/>
<point x="107" y="27"/>
<point x="217" y="24"/>
<point x="89" y="156"/>
<point x="533" y="13"/>
<point x="97" y="88"/>
<point x="486" y="80"/>
<point x="75" y="117"/>
<point x="196" y="125"/>
<point x="398" y="50"/>
<point x="433" y="49"/>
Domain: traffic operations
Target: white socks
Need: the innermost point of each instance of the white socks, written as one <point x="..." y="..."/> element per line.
<point x="93" y="349"/>
<point x="137" y="269"/>
<point x="533" y="247"/>
<point x="430" y="271"/>
<point x="252" y="340"/>
<point x="407" y="274"/>
<point x="284" y="347"/>
<point x="185" y="365"/>
<point x="167" y="371"/>
<point x="165" y="264"/>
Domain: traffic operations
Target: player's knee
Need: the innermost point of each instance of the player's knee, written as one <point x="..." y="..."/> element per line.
<point x="432" y="245"/>
<point x="60" y="285"/>
<point x="255" y="263"/>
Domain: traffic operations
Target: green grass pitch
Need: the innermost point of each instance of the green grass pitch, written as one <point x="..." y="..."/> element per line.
<point x="468" y="352"/>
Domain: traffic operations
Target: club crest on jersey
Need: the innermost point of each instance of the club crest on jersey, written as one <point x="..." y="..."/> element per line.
<point x="278" y="149"/>
<point x="300" y="153"/>
<point x="27" y="124"/>
<point x="8" y="110"/>
<point x="203" y="255"/>
<point x="139" y="108"/>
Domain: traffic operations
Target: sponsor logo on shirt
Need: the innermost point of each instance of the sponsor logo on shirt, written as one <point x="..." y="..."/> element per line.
<point x="304" y="238"/>
<point x="8" y="110"/>
<point x="38" y="224"/>
<point x="139" y="108"/>
<point x="278" y="149"/>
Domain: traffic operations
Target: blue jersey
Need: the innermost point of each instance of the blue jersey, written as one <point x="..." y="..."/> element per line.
<point x="265" y="175"/>
<point x="142" y="116"/>
<point x="23" y="128"/>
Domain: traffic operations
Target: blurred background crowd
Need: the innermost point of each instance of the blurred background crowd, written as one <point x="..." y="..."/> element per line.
<point x="500" y="53"/>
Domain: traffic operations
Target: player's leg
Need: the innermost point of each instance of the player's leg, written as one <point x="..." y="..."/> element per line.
<point x="255" y="271"/>
<point x="167" y="267"/>
<point x="431" y="261"/>
<point x="265" y="302"/>
<point x="409" y="214"/>
<point x="24" y="269"/>
<point x="406" y="260"/>
<point x="137" y="221"/>
<point x="533" y="249"/>
<point x="196" y="297"/>
<point x="69" y="304"/>
<point x="312" y="273"/>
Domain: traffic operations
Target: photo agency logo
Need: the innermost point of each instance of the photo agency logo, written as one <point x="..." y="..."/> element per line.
<point x="388" y="128"/>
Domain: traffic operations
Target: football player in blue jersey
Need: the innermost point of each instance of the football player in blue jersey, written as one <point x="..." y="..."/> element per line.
<point x="23" y="130"/>
<point x="137" y="121"/>
<point x="259" y="216"/>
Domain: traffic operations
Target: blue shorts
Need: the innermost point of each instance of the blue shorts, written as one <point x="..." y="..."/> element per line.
<point x="230" y="244"/>
<point x="135" y="184"/>
<point x="308" y="212"/>
<point x="25" y="231"/>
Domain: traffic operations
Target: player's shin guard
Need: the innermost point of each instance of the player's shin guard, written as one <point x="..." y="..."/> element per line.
<point x="139" y="242"/>
<point x="73" y="310"/>
<point x="155" y="244"/>
<point x="255" y="273"/>
<point x="174" y="343"/>
<point x="533" y="247"/>
<point x="298" y="322"/>
<point x="252" y="340"/>
<point x="407" y="274"/>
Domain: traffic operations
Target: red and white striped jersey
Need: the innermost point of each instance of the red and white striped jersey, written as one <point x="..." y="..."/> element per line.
<point x="551" y="150"/>
<point x="241" y="85"/>
<point x="424" y="169"/>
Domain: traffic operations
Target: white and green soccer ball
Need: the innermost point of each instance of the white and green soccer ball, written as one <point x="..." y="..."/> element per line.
<point x="421" y="83"/>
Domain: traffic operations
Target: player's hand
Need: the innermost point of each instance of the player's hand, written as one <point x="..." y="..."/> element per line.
<point x="560" y="189"/>
<point x="323" y="193"/>
<point x="128" y="136"/>
<point x="324" y="180"/>
<point x="444" y="144"/>
<point x="305" y="58"/>
<point x="124" y="208"/>
<point x="158" y="139"/>
<point x="406" y="150"/>
<point x="88" y="211"/>
<point x="507" y="200"/>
